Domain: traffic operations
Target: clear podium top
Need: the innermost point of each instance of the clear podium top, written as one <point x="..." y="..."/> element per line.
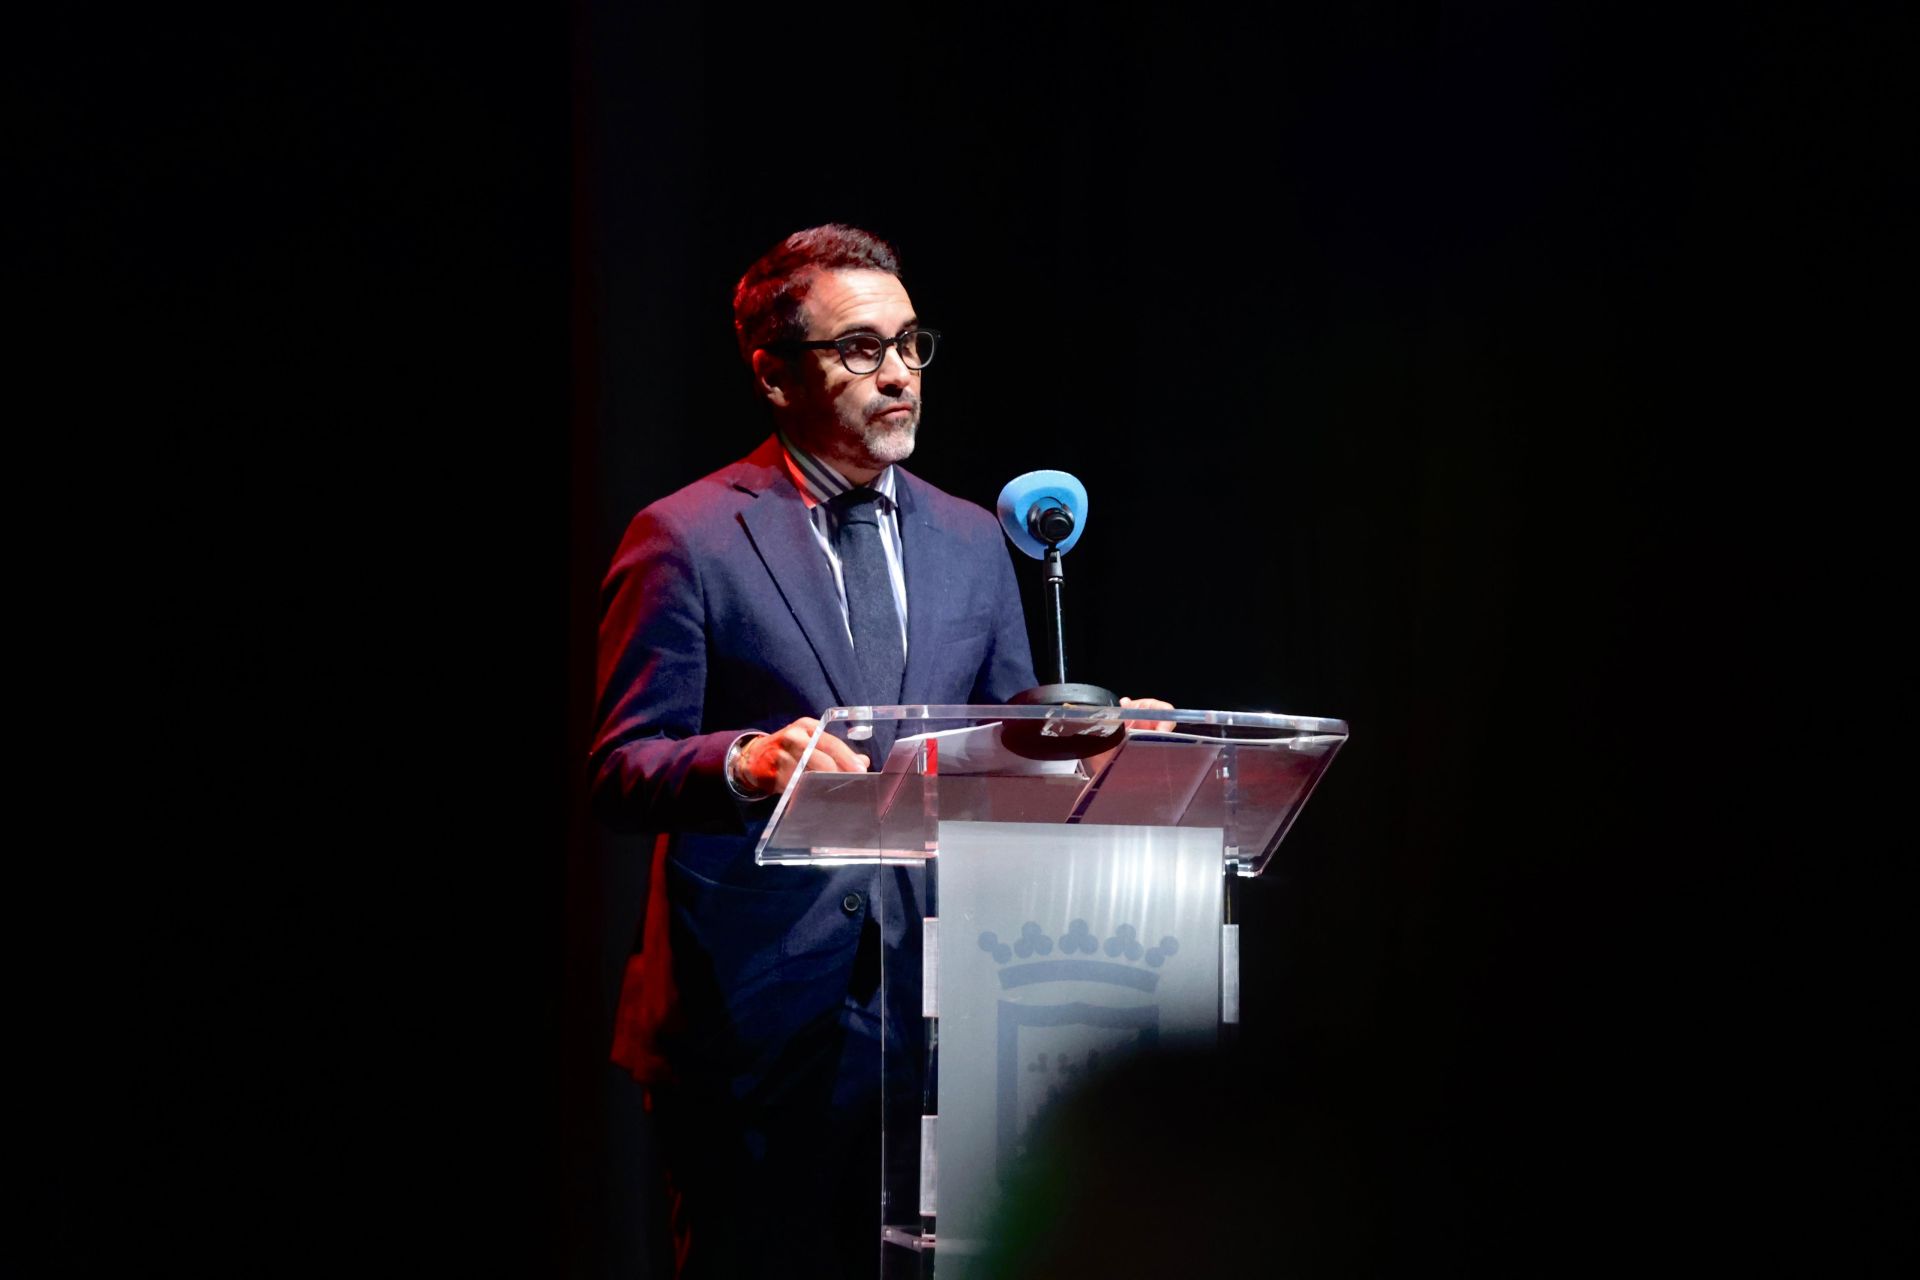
<point x="1245" y="773"/>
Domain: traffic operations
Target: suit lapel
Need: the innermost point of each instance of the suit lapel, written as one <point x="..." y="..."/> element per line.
<point x="782" y="535"/>
<point x="928" y="586"/>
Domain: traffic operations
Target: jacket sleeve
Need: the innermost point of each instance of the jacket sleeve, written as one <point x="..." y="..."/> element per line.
<point x="1008" y="668"/>
<point x="651" y="767"/>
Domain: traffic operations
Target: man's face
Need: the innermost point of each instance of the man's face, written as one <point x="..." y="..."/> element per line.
<point x="858" y="422"/>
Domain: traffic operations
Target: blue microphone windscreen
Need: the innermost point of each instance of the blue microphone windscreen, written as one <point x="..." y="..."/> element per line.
<point x="1041" y="487"/>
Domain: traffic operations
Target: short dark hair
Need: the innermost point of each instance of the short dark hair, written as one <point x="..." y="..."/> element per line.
<point x="767" y="301"/>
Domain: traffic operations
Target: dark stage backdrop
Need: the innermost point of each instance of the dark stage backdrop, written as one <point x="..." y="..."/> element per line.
<point x="1443" y="374"/>
<point x="1497" y="381"/>
<point x="1429" y="372"/>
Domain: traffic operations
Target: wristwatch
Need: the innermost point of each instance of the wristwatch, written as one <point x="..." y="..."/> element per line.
<point x="735" y="783"/>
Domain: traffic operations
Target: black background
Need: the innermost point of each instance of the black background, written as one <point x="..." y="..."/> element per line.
<point x="1508" y="383"/>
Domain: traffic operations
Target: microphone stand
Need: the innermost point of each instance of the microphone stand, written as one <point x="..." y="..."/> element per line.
<point x="1049" y="522"/>
<point x="1061" y="692"/>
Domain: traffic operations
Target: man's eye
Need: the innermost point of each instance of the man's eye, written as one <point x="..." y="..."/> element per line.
<point x="863" y="345"/>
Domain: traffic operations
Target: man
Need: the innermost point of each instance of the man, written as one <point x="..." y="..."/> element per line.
<point x="731" y="614"/>
<point x="815" y="572"/>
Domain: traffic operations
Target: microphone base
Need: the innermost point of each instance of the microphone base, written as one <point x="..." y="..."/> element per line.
<point x="1027" y="738"/>
<point x="1064" y="695"/>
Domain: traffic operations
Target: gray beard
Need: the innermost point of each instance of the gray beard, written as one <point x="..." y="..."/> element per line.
<point x="887" y="445"/>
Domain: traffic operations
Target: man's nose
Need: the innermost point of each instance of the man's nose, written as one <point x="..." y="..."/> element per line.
<point x="893" y="371"/>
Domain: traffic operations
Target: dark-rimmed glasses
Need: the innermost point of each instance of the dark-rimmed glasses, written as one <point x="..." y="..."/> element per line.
<point x="862" y="353"/>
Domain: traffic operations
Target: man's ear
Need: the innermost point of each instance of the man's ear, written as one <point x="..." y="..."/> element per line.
<point x="774" y="378"/>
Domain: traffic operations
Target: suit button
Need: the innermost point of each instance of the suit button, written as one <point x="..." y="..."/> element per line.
<point x="850" y="904"/>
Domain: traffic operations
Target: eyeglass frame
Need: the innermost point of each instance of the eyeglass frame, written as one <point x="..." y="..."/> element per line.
<point x="896" y="342"/>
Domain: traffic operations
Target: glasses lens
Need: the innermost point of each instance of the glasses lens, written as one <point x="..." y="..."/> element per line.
<point x="861" y="352"/>
<point x="916" y="348"/>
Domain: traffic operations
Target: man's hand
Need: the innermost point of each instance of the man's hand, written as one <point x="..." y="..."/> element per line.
<point x="1149" y="704"/>
<point x="766" y="764"/>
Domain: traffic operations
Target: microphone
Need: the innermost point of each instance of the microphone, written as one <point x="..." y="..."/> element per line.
<point x="1044" y="513"/>
<point x="1048" y="523"/>
<point x="1043" y="509"/>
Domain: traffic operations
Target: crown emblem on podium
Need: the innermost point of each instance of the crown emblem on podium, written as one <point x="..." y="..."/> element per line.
<point x="1123" y="949"/>
<point x="1054" y="1028"/>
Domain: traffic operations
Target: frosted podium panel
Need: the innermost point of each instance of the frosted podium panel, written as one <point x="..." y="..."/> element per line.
<point x="1062" y="951"/>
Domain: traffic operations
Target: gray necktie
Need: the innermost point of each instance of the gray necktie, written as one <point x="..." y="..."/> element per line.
<point x="871" y="614"/>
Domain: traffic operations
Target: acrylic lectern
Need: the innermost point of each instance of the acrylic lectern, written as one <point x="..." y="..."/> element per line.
<point x="1061" y="894"/>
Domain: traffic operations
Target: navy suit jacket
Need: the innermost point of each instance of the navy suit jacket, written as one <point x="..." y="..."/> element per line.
<point x="721" y="616"/>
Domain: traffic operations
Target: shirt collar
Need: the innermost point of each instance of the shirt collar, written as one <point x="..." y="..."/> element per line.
<point x="818" y="481"/>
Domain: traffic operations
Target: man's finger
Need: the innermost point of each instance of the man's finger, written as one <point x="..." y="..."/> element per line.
<point x="1149" y="704"/>
<point x="833" y="754"/>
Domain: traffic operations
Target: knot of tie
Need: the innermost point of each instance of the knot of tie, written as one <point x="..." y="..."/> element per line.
<point x="861" y="505"/>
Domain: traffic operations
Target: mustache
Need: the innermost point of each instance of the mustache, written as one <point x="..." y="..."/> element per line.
<point x="881" y="404"/>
